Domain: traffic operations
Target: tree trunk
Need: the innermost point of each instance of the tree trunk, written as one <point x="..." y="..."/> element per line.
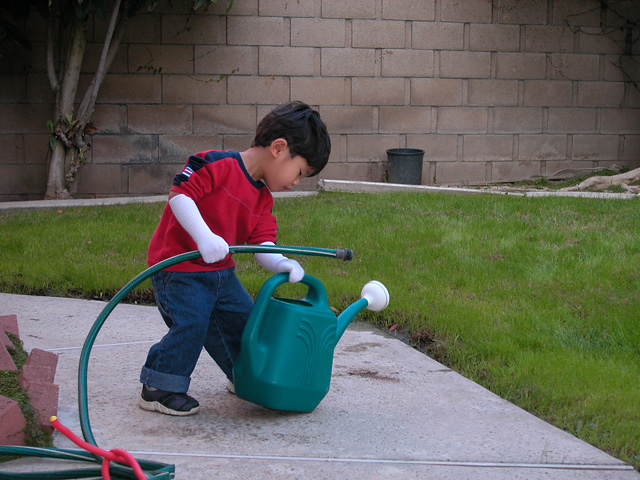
<point x="630" y="181"/>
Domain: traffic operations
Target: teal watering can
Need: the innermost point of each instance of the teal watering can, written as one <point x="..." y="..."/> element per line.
<point x="286" y="354"/>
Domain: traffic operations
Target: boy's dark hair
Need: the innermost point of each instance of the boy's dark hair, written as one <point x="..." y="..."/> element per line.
<point x="301" y="126"/>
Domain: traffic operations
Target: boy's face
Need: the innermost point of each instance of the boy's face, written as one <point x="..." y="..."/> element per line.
<point x="285" y="171"/>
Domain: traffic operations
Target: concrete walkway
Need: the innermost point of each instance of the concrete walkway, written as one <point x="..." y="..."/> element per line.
<point x="391" y="413"/>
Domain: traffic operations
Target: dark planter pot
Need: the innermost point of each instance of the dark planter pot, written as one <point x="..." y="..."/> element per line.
<point x="405" y="165"/>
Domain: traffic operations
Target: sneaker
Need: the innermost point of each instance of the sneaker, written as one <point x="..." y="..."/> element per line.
<point x="231" y="387"/>
<point x="169" y="403"/>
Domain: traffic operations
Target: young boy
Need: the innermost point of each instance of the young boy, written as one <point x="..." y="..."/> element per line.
<point x="222" y="198"/>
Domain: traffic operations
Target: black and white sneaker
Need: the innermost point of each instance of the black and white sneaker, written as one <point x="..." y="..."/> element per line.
<point x="169" y="403"/>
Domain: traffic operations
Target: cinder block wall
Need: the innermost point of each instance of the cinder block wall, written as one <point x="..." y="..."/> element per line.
<point x="492" y="90"/>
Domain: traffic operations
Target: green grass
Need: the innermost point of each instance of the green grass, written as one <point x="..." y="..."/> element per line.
<point x="537" y="299"/>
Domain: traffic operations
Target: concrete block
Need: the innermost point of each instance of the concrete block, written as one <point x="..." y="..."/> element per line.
<point x="547" y="93"/>
<point x="522" y="12"/>
<point x="44" y="400"/>
<point x="462" y="120"/>
<point x="600" y="94"/>
<point x="364" y="148"/>
<point x="194" y="89"/>
<point x="569" y="12"/>
<point x="174" y="148"/>
<point x="35" y="374"/>
<point x="103" y="179"/>
<point x="614" y="65"/>
<point x="619" y="121"/>
<point x="9" y="323"/>
<point x="42" y="358"/>
<point x="515" y="171"/>
<point x="493" y="92"/>
<point x="350" y="9"/>
<point x="460" y="173"/>
<point x="6" y="362"/>
<point x="296" y="61"/>
<point x="492" y="37"/>
<point x="286" y="8"/>
<point x="155" y="119"/>
<point x="631" y="149"/>
<point x="546" y="38"/>
<point x="152" y="181"/>
<point x="322" y="91"/>
<point x="257" y="90"/>
<point x="565" y="168"/>
<point x="109" y="119"/>
<point x="226" y="59"/>
<point x="167" y="58"/>
<point x="23" y="179"/>
<point x="378" y="34"/>
<point x="195" y="29"/>
<point x="407" y="63"/>
<point x="131" y="89"/>
<point x="124" y="149"/>
<point x="12" y="422"/>
<point x="592" y="40"/>
<point x="517" y="120"/>
<point x="36" y="149"/>
<point x="542" y="147"/>
<point x="465" y="64"/>
<point x="437" y="148"/>
<point x="353" y="171"/>
<point x="378" y="91"/>
<point x="236" y="142"/>
<point x="13" y="148"/>
<point x="256" y="31"/>
<point x="405" y="120"/>
<point x="472" y="11"/>
<point x="347" y="119"/>
<point x="437" y="36"/>
<point x="13" y="88"/>
<point x="24" y="118"/>
<point x="318" y="32"/>
<point x="595" y="147"/>
<point x="92" y="55"/>
<point x="224" y="119"/>
<point x="573" y="120"/>
<point x="352" y="62"/>
<point x="436" y="92"/>
<point x="484" y="148"/>
<point x="408" y="9"/>
<point x="571" y="66"/>
<point x="520" y="66"/>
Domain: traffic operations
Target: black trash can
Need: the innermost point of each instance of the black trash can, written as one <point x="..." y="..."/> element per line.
<point x="405" y="165"/>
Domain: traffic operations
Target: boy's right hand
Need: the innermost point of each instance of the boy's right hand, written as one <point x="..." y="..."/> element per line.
<point x="212" y="247"/>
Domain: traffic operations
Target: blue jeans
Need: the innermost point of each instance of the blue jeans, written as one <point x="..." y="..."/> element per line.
<point x="201" y="309"/>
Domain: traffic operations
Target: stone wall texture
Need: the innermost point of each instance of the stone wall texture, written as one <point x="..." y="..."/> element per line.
<point x="492" y="90"/>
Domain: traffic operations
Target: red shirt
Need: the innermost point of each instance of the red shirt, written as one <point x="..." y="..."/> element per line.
<point x="232" y="204"/>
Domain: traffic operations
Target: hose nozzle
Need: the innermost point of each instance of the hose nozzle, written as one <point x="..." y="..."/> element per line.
<point x="344" y="254"/>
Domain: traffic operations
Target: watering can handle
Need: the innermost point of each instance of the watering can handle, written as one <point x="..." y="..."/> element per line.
<point x="316" y="295"/>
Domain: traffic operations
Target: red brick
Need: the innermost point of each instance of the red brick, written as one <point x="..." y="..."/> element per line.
<point x="6" y="362"/>
<point x="44" y="400"/>
<point x="9" y="323"/>
<point x="4" y="340"/>
<point x="12" y="422"/>
<point x="42" y="358"/>
<point x="35" y="374"/>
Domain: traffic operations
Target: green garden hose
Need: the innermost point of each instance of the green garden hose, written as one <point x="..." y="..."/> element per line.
<point x="156" y="470"/>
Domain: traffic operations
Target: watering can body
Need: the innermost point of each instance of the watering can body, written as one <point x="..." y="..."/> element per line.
<point x="286" y="353"/>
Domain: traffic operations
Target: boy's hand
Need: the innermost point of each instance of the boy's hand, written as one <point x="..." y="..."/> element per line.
<point x="296" y="272"/>
<point x="279" y="264"/>
<point x="212" y="247"/>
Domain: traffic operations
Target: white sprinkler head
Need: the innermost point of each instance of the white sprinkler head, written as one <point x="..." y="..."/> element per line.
<point x="376" y="294"/>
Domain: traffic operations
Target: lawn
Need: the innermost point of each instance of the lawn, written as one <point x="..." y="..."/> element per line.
<point x="537" y="299"/>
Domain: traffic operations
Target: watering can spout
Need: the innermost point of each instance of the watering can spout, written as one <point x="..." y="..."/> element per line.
<point x="374" y="296"/>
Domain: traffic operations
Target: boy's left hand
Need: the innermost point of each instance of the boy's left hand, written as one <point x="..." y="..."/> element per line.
<point x="296" y="272"/>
